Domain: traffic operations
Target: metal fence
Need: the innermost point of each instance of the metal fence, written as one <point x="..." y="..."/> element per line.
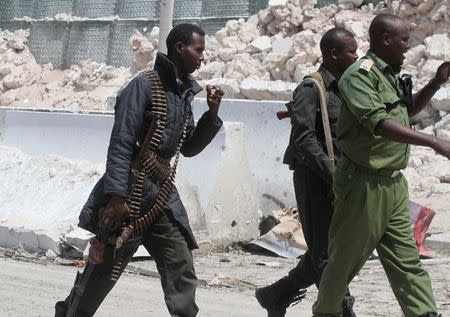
<point x="49" y="42"/>
<point x="88" y="40"/>
<point x="64" y="44"/>
<point x="94" y="8"/>
<point x="50" y="8"/>
<point x="10" y="9"/>
<point x="129" y="9"/>
<point x="220" y="8"/>
<point x="120" y="53"/>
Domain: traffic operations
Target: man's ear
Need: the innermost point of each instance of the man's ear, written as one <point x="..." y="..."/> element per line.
<point x="179" y="48"/>
<point x="334" y="53"/>
<point x="386" y="39"/>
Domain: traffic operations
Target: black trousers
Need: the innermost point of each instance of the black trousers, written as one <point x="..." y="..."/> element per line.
<point x="315" y="202"/>
<point x="167" y="246"/>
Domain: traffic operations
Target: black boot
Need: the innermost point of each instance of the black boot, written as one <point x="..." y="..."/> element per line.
<point x="431" y="315"/>
<point x="347" y="306"/>
<point x="278" y="296"/>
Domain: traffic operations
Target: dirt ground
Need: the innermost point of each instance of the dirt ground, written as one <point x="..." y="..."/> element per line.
<point x="228" y="280"/>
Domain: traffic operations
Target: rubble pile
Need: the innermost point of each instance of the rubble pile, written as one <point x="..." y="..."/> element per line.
<point x="41" y="196"/>
<point x="262" y="58"/>
<point x="427" y="172"/>
<point x="24" y="83"/>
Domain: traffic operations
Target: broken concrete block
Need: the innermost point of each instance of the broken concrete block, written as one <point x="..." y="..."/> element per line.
<point x="444" y="123"/>
<point x="436" y="169"/>
<point x="50" y="254"/>
<point x="230" y="87"/>
<point x="226" y="54"/>
<point x="267" y="90"/>
<point x="438" y="46"/>
<point x="437" y="189"/>
<point x="441" y="100"/>
<point x="274" y="4"/>
<point x="212" y="70"/>
<point x="443" y="134"/>
<point x="282" y="45"/>
<point x="261" y="44"/>
<point x="415" y="55"/>
<point x="356" y="27"/>
<point x="425" y="6"/>
<point x="248" y="32"/>
<point x="428" y="70"/>
<point x="297" y="60"/>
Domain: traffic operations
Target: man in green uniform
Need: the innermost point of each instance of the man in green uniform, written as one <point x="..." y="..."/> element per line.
<point x="371" y="206"/>
<point x="307" y="156"/>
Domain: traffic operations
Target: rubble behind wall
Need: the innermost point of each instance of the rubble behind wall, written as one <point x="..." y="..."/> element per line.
<point x="263" y="57"/>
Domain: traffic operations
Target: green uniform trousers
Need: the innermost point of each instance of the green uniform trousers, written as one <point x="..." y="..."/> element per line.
<point x="168" y="247"/>
<point x="371" y="211"/>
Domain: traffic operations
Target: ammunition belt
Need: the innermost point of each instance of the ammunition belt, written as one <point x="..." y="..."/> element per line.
<point x="157" y="168"/>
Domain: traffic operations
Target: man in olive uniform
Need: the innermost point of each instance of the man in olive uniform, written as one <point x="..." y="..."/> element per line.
<point x="371" y="194"/>
<point x="169" y="239"/>
<point x="307" y="156"/>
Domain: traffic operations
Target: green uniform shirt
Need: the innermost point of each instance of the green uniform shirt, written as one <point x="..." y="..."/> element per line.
<point x="367" y="92"/>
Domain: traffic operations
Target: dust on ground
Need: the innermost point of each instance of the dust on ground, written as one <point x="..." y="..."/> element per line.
<point x="30" y="286"/>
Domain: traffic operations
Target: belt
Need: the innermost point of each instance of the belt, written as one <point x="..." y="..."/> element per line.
<point x="379" y="172"/>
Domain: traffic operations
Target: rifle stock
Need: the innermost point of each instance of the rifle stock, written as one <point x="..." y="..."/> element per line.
<point x="282" y="114"/>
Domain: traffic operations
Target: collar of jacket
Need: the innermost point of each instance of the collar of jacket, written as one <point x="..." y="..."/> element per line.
<point x="381" y="64"/>
<point x="328" y="79"/>
<point x="166" y="71"/>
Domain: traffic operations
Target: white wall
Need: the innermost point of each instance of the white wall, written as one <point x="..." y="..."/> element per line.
<point x="225" y="182"/>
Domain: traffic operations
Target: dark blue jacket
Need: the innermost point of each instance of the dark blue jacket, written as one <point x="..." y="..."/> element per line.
<point x="127" y="131"/>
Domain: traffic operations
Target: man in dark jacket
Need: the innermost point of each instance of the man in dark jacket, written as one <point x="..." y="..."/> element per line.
<point x="169" y="238"/>
<point x="313" y="171"/>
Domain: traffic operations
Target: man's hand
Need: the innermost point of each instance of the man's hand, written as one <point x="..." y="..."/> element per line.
<point x="96" y="251"/>
<point x="213" y="96"/>
<point x="116" y="211"/>
<point x="442" y="74"/>
<point x="442" y="147"/>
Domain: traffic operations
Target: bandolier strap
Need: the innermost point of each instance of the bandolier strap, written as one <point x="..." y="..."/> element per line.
<point x="150" y="164"/>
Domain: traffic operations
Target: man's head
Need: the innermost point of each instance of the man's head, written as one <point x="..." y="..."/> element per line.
<point x="389" y="37"/>
<point x="338" y="48"/>
<point x="185" y="46"/>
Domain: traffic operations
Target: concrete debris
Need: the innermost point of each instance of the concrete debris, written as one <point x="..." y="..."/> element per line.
<point x="41" y="197"/>
<point x="50" y="254"/>
<point x="441" y="100"/>
<point x="26" y="84"/>
<point x="278" y="43"/>
<point x="286" y="238"/>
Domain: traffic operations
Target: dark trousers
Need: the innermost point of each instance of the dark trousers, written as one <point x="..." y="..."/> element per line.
<point x="168" y="247"/>
<point x="313" y="197"/>
<point x="314" y="200"/>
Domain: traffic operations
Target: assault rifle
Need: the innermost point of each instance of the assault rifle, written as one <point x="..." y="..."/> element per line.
<point x="283" y="114"/>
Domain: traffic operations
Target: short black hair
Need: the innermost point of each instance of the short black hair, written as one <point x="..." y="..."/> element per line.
<point x="332" y="39"/>
<point x="183" y="33"/>
<point x="383" y="23"/>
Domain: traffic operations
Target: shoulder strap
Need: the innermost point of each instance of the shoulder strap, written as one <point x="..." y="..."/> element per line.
<point x="317" y="79"/>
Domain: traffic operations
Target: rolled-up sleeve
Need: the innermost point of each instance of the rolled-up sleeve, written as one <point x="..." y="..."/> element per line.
<point x="129" y="113"/>
<point x="363" y="100"/>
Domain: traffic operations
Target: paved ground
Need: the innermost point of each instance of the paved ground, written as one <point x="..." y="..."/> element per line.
<point x="31" y="289"/>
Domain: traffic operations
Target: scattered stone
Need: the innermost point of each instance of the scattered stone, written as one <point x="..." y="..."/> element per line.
<point x="50" y="254"/>
<point x="261" y="44"/>
<point x="441" y="100"/>
<point x="438" y="46"/>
